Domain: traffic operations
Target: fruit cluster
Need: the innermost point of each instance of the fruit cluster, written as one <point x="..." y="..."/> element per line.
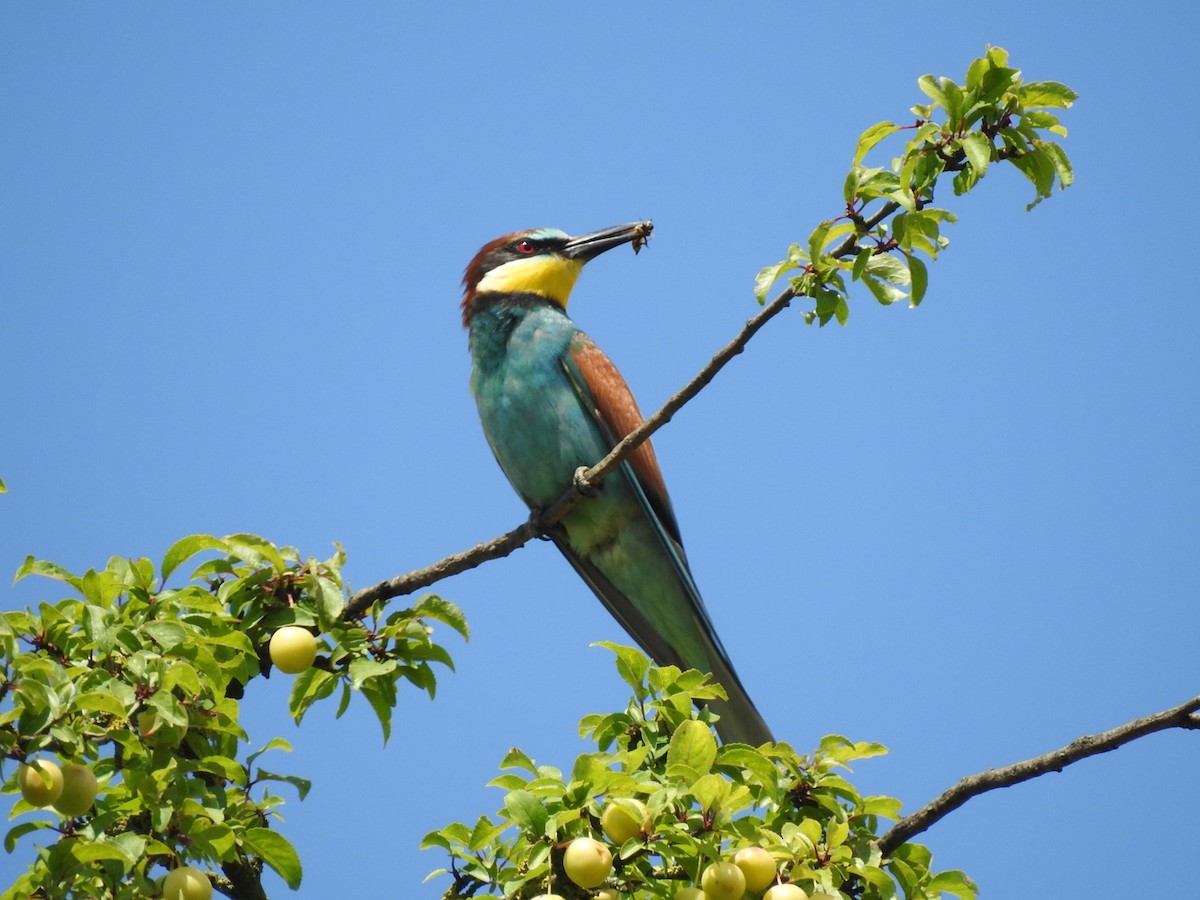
<point x="589" y="862"/>
<point x="70" y="789"/>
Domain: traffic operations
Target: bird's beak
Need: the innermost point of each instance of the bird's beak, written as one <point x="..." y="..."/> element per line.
<point x="589" y="246"/>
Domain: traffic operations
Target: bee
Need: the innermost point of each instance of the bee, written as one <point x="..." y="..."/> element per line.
<point x="641" y="235"/>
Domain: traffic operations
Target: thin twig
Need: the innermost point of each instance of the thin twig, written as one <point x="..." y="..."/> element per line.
<point x="1182" y="716"/>
<point x="539" y="523"/>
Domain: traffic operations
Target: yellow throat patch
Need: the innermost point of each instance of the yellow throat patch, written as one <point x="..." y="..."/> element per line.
<point x="544" y="275"/>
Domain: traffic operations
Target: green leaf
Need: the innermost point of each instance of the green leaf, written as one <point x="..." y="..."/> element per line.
<point x="167" y="635"/>
<point x="330" y="600"/>
<point x="953" y="882"/>
<point x="100" y="701"/>
<point x="860" y="262"/>
<point x="302" y="785"/>
<point x="187" y="547"/>
<point x="434" y="607"/>
<point x="1062" y="165"/>
<point x="920" y="280"/>
<point x="38" y="706"/>
<point x="381" y="694"/>
<point x="1038" y="167"/>
<point x="817" y="239"/>
<point x="518" y="759"/>
<point x="694" y="746"/>
<point x="484" y="833"/>
<point x="527" y="811"/>
<point x="344" y="702"/>
<point x="831" y="304"/>
<point x="888" y="807"/>
<point x="255" y="550"/>
<point x="884" y="293"/>
<point x="273" y="744"/>
<point x="362" y="668"/>
<point x="870" y="138"/>
<point x="836" y="833"/>
<point x="19" y="831"/>
<point x="811" y="830"/>
<point x="976" y="71"/>
<point x="275" y="850"/>
<point x="929" y="85"/>
<point x="215" y="839"/>
<point x="436" y="839"/>
<point x="632" y="665"/>
<point x="745" y="757"/>
<point x="889" y="268"/>
<point x="978" y="149"/>
<point x="1047" y="93"/>
<point x="711" y="791"/>
<point x="954" y="102"/>
<point x="768" y="275"/>
<point x="93" y="851"/>
<point x="509" y="782"/>
<point x="33" y="566"/>
<point x="223" y="766"/>
<point x="308" y="687"/>
<point x="837" y="231"/>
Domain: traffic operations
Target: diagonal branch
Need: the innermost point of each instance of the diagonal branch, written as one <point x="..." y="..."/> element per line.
<point x="539" y="523"/>
<point x="1183" y="716"/>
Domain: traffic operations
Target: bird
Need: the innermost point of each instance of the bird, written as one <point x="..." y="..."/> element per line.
<point x="550" y="402"/>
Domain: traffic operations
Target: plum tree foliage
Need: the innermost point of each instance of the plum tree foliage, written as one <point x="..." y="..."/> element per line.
<point x="140" y="682"/>
<point x="703" y="801"/>
<point x="133" y="682"/>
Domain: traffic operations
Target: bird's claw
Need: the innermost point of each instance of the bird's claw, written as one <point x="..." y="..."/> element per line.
<point x="582" y="484"/>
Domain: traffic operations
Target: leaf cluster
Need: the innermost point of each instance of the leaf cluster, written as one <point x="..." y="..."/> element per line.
<point x="704" y="802"/>
<point x="142" y="682"/>
<point x="890" y="221"/>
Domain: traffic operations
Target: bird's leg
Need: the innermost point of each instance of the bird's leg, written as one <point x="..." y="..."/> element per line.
<point x="543" y="529"/>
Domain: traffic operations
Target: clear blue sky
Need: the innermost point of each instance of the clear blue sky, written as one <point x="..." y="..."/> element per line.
<point x="232" y="240"/>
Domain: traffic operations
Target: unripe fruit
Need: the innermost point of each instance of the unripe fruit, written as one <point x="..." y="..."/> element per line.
<point x="689" y="893"/>
<point x="79" y="790"/>
<point x="787" y="892"/>
<point x="549" y="897"/>
<point x="293" y="649"/>
<point x="607" y="894"/>
<point x="153" y="731"/>
<point x="723" y="881"/>
<point x="587" y="862"/>
<point x="186" y="883"/>
<point x="757" y="865"/>
<point x="620" y="824"/>
<point x="41" y="782"/>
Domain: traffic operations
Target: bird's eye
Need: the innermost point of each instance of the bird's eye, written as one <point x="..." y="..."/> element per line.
<point x="525" y="246"/>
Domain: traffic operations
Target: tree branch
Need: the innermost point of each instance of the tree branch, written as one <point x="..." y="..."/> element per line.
<point x="540" y="522"/>
<point x="1183" y="716"/>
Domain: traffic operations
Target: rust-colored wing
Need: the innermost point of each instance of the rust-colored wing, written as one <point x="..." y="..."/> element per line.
<point x="617" y="414"/>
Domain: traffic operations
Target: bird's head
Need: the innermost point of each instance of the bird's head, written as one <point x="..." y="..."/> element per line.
<point x="543" y="261"/>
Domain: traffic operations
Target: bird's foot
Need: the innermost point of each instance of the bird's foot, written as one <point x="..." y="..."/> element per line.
<point x="538" y="520"/>
<point x="584" y="486"/>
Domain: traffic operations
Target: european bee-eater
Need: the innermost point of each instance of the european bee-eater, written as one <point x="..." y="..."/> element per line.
<point x="551" y="402"/>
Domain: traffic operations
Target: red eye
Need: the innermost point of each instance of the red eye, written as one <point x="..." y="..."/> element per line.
<point x="525" y="246"/>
